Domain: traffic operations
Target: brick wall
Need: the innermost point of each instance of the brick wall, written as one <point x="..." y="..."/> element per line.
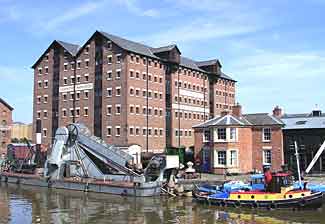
<point x="275" y="145"/>
<point x="5" y="127"/>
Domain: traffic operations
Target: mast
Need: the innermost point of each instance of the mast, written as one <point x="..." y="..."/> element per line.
<point x="298" y="165"/>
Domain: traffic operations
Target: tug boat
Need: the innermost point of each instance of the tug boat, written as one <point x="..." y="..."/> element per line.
<point x="278" y="194"/>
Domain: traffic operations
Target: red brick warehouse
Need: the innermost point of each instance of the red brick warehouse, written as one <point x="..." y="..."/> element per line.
<point x="127" y="92"/>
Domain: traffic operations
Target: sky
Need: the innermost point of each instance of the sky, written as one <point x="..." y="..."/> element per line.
<point x="274" y="49"/>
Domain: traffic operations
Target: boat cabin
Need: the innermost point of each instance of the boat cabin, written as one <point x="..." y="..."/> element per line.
<point x="278" y="180"/>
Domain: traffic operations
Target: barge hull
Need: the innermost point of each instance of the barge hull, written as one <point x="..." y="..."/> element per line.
<point x="117" y="188"/>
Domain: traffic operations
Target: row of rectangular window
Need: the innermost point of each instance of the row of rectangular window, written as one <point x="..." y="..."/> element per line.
<point x="72" y="79"/>
<point x="220" y="93"/>
<point x="39" y="99"/>
<point x="223" y="106"/>
<point x="46" y="84"/>
<point x="76" y="112"/>
<point x="136" y="59"/>
<point x="194" y="74"/>
<point x="73" y="66"/>
<point x="135" y="131"/>
<point x="187" y="133"/>
<point x="110" y="91"/>
<point x="231" y="134"/>
<point x="136" y="92"/>
<point x="190" y="86"/>
<point x="136" y="75"/>
<point x="72" y="95"/>
<point x="190" y="100"/>
<point x="226" y="82"/>
<point x="151" y="111"/>
<point x="191" y="115"/>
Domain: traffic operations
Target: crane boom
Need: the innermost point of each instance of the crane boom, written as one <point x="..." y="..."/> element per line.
<point x="319" y="152"/>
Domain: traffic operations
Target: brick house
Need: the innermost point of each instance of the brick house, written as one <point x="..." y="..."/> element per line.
<point x="127" y="92"/>
<point x="239" y="143"/>
<point x="5" y="125"/>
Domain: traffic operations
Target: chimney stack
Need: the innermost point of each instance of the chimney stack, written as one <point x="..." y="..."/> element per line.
<point x="237" y="110"/>
<point x="277" y="112"/>
<point x="316" y="112"/>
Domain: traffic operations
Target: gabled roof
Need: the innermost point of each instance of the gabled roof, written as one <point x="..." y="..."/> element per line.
<point x="6" y="104"/>
<point x="208" y="63"/>
<point x="72" y="49"/>
<point x="224" y="76"/>
<point x="135" y="47"/>
<point x="262" y="119"/>
<point x="165" y="48"/>
<point x="227" y="120"/>
<point x="189" y="63"/>
<point x="130" y="45"/>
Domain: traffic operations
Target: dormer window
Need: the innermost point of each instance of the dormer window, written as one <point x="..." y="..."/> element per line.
<point x="109" y="44"/>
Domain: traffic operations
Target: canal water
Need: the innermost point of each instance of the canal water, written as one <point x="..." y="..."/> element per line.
<point x="23" y="204"/>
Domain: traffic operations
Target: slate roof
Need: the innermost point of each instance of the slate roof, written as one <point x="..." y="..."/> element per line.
<point x="130" y="45"/>
<point x="6" y="104"/>
<point x="303" y="115"/>
<point x="306" y="122"/>
<point x="189" y="63"/>
<point x="138" y="48"/>
<point x="227" y="120"/>
<point x="224" y="76"/>
<point x="164" y="48"/>
<point x="260" y="119"/>
<point x="208" y="62"/>
<point x="71" y="48"/>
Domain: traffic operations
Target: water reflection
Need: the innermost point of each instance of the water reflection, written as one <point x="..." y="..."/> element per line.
<point x="40" y="205"/>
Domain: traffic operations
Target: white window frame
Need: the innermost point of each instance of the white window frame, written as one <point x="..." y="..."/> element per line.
<point x="86" y="115"/>
<point x="108" y="106"/>
<point x="116" y="92"/>
<point x="116" y="106"/>
<point x="263" y="135"/>
<point x="117" y="127"/>
<point x="264" y="156"/>
<point x="64" y="110"/>
<point x="109" y="73"/>
<point x="110" y="128"/>
<point x="107" y="89"/>
<point x="118" y="71"/>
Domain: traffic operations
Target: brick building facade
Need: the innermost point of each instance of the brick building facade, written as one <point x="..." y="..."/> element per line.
<point x="239" y="143"/>
<point x="126" y="92"/>
<point x="5" y="125"/>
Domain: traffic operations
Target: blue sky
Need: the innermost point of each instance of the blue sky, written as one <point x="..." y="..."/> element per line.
<point x="275" y="49"/>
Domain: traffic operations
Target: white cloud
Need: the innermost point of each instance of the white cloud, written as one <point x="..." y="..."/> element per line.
<point x="73" y="13"/>
<point x="200" y="30"/>
<point x="133" y="7"/>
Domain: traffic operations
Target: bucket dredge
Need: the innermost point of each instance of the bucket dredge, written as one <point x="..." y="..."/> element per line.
<point x="79" y="155"/>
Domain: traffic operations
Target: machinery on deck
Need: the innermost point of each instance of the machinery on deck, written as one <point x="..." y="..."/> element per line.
<point x="77" y="153"/>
